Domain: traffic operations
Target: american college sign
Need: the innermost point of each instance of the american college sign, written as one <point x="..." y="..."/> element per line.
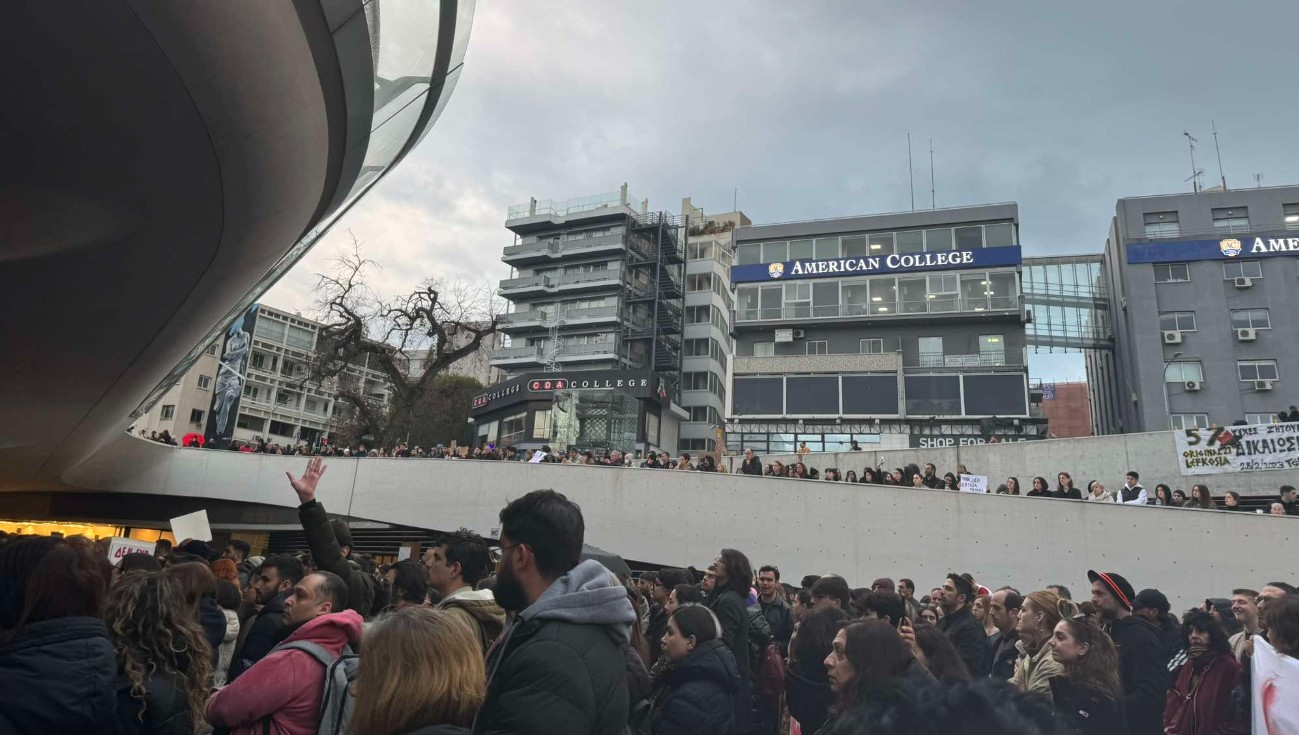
<point x="1240" y="246"/>
<point x="876" y="264"/>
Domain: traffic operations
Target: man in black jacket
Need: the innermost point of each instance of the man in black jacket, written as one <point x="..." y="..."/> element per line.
<point x="775" y="608"/>
<point x="662" y="587"/>
<point x="1141" y="656"/>
<point x="1004" y="608"/>
<point x="274" y="583"/>
<point x="1152" y="605"/>
<point x="961" y="627"/>
<point x="751" y="464"/>
<point x="560" y="668"/>
<point x="331" y="541"/>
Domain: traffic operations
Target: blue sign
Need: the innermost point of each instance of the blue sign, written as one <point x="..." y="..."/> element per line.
<point x="1227" y="248"/>
<point x="876" y="264"/>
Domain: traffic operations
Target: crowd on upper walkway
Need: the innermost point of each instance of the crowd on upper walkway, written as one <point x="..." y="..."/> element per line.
<point x="526" y="635"/>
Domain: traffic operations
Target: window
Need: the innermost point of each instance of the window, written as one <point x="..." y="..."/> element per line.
<point x="854" y="247"/>
<point x="775" y="252"/>
<point x="995" y="395"/>
<point x="815" y="395"/>
<point x="992" y="349"/>
<point x="251" y="391"/>
<point x="195" y="416"/>
<point x="933" y="395"/>
<point x="586" y="268"/>
<point x="259" y="360"/>
<point x="1179" y="421"/>
<point x="512" y="428"/>
<point x="300" y="337"/>
<point x="881" y="244"/>
<point x="204" y="382"/>
<point x="1234" y="219"/>
<point x="825" y="299"/>
<point x="541" y="424"/>
<point x="311" y="405"/>
<point x="212" y="348"/>
<point x="1261" y="418"/>
<point x="168" y="413"/>
<point x="1177" y="321"/>
<point x="1250" y="319"/>
<point x="937" y="240"/>
<point x="280" y="428"/>
<point x="818" y="347"/>
<point x="1233" y="269"/>
<point x="827" y="248"/>
<point x="871" y="346"/>
<point x="999" y="235"/>
<point x="694" y="381"/>
<point x="748" y="254"/>
<point x="1291" y="214"/>
<point x="698" y="413"/>
<point x="1251" y="370"/>
<point x="1162" y="224"/>
<point x="692" y="445"/>
<point x="699" y="251"/>
<point x="867" y="395"/>
<point x="697" y="347"/>
<point x="699" y="314"/>
<point x="969" y="238"/>
<point x="911" y="242"/>
<point x="1172" y="272"/>
<point x="1179" y="372"/>
<point x="798" y="301"/>
<point x="759" y="396"/>
<point x="699" y="282"/>
<point x="764" y="349"/>
<point x="931" y="351"/>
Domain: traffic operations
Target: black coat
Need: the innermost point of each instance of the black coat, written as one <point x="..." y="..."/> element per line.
<point x="779" y="617"/>
<point x="264" y="633"/>
<point x="654" y="632"/>
<point x="1144" y="673"/>
<point x="58" y="678"/>
<point x="1072" y="494"/>
<point x="328" y="556"/>
<point x="214" y="625"/>
<point x="733" y="614"/>
<point x="808" y="696"/>
<point x="971" y="640"/>
<point x="165" y="707"/>
<point x="1086" y="711"/>
<point x="751" y="466"/>
<point x="1002" y="657"/>
<point x="698" y="695"/>
<point x="553" y="676"/>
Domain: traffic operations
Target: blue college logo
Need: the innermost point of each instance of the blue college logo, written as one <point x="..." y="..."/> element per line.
<point x="1230" y="247"/>
<point x="776" y="270"/>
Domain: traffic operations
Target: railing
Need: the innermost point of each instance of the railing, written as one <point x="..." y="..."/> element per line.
<point x="940" y="305"/>
<point x="580" y="350"/>
<point x="1209" y="233"/>
<point x="516" y="353"/>
<point x="563" y="247"/>
<point x="984" y="359"/>
<point x="561" y="207"/>
<point x="550" y="282"/>
<point x="542" y="318"/>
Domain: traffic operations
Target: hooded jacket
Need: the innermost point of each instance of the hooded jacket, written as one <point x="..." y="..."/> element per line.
<point x="328" y="556"/>
<point x="226" y="653"/>
<point x="480" y="612"/>
<point x="1033" y="671"/>
<point x="560" y="668"/>
<point x="1205" y="707"/>
<point x="263" y="634"/>
<point x="696" y="696"/>
<point x="1142" y="668"/>
<point x="58" y="678"/>
<point x="286" y="685"/>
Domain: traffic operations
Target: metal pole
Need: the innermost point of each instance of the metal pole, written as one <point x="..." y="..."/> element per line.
<point x="1163" y="378"/>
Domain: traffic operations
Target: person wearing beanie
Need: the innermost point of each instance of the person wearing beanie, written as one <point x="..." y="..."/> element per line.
<point x="1152" y="605"/>
<point x="1142" y="666"/>
<point x="1220" y="609"/>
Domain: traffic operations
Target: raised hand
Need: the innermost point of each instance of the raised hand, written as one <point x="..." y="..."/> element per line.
<point x="305" y="486"/>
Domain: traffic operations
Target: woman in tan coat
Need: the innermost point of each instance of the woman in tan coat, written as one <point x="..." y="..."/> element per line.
<point x="1035" y="667"/>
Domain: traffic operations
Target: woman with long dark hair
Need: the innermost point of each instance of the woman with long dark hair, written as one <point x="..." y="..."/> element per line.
<point x="807" y="690"/>
<point x="950" y="482"/>
<point x="869" y="476"/>
<point x="1040" y="488"/>
<point x="1088" y="696"/>
<point x="939" y="655"/>
<point x="1065" y="489"/>
<point x="198" y="587"/>
<point x="1200" y="701"/>
<point x="1200" y="498"/>
<point x="164" y="668"/>
<point x="699" y="691"/>
<point x="1012" y="486"/>
<point x="867" y="653"/>
<point x="1163" y="495"/>
<point x="734" y="577"/>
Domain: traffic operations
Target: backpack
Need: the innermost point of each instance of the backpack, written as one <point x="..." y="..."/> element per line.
<point x="766" y="664"/>
<point x="335" y="699"/>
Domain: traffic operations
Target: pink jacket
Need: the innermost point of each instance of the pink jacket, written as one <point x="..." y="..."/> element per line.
<point x="286" y="684"/>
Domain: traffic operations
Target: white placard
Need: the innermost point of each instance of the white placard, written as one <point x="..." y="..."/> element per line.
<point x="192" y="526"/>
<point x="974" y="484"/>
<point x="1275" y="682"/>
<point x="119" y="547"/>
<point x="403" y="553"/>
<point x="1237" y="449"/>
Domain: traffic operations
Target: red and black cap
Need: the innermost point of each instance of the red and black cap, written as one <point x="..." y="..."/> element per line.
<point x="1117" y="585"/>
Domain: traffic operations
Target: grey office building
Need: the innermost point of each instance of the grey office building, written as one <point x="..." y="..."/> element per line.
<point x="1203" y="288"/>
<point x="890" y="330"/>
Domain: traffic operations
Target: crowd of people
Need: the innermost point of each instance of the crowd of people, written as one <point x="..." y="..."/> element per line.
<point x="524" y="635"/>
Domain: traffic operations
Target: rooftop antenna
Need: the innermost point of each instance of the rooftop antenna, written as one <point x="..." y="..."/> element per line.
<point x="1221" y="177"/>
<point x="735" y="199"/>
<point x="1195" y="172"/>
<point x="911" y="174"/>
<point x="933" y="200"/>
<point x="1258" y="180"/>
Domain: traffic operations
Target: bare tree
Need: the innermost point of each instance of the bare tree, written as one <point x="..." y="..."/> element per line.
<point x="428" y="329"/>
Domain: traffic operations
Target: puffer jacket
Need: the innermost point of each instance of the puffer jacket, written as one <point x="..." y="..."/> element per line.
<point x="58" y="678"/>
<point x="560" y="667"/>
<point x="226" y="652"/>
<point x="696" y="696"/>
<point x="164" y="711"/>
<point x="808" y="696"/>
<point x="1086" y="711"/>
<point x="480" y="612"/>
<point x="1033" y="672"/>
<point x="285" y="686"/>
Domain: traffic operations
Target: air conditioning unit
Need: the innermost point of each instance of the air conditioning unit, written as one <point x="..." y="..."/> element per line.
<point x="1263" y="384"/>
<point x="1244" y="282"/>
<point x="1246" y="334"/>
<point x="1172" y="337"/>
<point x="799" y="334"/>
<point x="1194" y="385"/>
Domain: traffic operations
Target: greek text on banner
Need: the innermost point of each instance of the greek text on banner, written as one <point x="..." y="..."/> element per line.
<point x="1237" y="448"/>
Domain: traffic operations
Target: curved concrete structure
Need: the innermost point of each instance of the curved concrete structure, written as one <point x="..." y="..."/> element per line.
<point x="165" y="163"/>
<point x="804" y="526"/>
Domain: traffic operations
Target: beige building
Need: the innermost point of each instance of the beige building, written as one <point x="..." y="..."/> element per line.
<point x="183" y="408"/>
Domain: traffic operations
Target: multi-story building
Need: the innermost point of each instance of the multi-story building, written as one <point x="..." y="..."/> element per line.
<point x="893" y="330"/>
<point x="595" y="331"/>
<point x="476" y="365"/>
<point x="708" y="345"/>
<point x="1202" y="289"/>
<point x="183" y="408"/>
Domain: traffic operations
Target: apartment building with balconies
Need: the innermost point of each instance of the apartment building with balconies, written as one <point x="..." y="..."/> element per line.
<point x="889" y="330"/>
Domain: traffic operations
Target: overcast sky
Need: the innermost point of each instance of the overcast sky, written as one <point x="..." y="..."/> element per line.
<point x="805" y="108"/>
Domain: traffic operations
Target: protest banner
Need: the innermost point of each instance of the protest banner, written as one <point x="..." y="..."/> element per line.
<point x="1275" y="695"/>
<point x="1237" y="448"/>
<point x="192" y="526"/>
<point x="974" y="484"/>
<point x="119" y="546"/>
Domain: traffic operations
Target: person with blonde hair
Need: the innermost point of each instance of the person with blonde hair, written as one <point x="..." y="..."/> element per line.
<point x="1038" y="617"/>
<point x="422" y="671"/>
<point x="1088" y="696"/>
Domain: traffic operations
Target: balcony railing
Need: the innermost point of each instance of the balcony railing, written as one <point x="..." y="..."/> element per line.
<point x="562" y="207"/>
<point x="560" y="248"/>
<point x="539" y="353"/>
<point x="549" y="282"/>
<point x="937" y="305"/>
<point x="527" y="352"/>
<point x="537" y="318"/>
<point x="1013" y="357"/>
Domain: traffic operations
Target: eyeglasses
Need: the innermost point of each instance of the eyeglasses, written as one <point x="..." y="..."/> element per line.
<point x="497" y="554"/>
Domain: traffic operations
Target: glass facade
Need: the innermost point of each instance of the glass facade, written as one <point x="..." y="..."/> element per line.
<point x="956" y="394"/>
<point x="1069" y="302"/>
<point x="939" y="293"/>
<point x="967" y="237"/>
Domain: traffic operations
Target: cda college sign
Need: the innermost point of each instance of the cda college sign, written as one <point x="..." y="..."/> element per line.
<point x="876" y="264"/>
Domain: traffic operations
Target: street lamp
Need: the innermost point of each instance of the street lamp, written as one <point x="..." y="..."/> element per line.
<point x="1168" y="416"/>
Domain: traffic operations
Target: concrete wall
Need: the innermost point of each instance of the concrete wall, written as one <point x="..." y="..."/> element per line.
<point x="1104" y="458"/>
<point x="805" y="527"/>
